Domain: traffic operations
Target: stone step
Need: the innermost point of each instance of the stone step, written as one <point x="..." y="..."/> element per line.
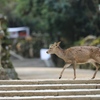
<point x="52" y="89"/>
<point x="49" y="86"/>
<point x="48" y="81"/>
<point x="50" y="92"/>
<point x="78" y="97"/>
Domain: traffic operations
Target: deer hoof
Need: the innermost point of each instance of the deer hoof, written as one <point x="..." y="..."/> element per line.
<point x="74" y="78"/>
<point x="59" y="77"/>
<point x="92" y="77"/>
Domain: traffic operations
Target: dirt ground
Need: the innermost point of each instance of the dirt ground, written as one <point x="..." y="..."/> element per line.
<point x="36" y="69"/>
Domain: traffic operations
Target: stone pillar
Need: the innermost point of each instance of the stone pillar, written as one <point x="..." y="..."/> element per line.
<point x="3" y="74"/>
<point x="7" y="70"/>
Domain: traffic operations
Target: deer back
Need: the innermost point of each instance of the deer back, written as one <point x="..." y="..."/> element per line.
<point x="82" y="54"/>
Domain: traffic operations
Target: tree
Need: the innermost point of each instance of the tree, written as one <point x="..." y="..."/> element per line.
<point x="71" y="19"/>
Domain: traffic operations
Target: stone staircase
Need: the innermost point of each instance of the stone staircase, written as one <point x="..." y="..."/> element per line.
<point x="51" y="89"/>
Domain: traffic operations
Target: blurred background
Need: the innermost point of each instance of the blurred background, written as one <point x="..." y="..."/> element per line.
<point x="32" y="25"/>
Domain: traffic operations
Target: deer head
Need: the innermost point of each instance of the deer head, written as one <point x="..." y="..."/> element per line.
<point x="53" y="48"/>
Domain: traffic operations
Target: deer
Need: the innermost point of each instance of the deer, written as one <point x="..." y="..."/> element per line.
<point x="76" y="55"/>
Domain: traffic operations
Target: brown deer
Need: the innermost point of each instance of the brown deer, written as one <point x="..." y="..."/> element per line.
<point x="76" y="55"/>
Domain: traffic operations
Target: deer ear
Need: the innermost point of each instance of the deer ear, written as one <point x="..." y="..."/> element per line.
<point x="50" y="45"/>
<point x="58" y="43"/>
<point x="55" y="43"/>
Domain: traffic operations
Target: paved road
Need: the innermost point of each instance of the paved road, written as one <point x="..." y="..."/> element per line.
<point x="36" y="69"/>
<point x="28" y="63"/>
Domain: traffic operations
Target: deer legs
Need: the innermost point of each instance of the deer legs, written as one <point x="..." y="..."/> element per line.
<point x="66" y="65"/>
<point x="96" y="65"/>
<point x="74" y="67"/>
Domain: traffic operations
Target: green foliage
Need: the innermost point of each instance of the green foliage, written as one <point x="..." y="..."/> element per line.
<point x="71" y="18"/>
<point x="89" y="40"/>
<point x="96" y="42"/>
